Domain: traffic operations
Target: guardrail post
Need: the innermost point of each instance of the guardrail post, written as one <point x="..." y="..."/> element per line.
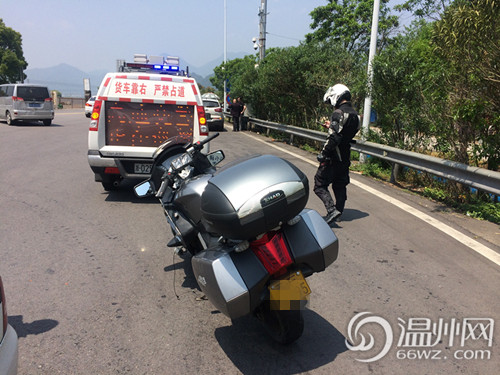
<point x="396" y="168"/>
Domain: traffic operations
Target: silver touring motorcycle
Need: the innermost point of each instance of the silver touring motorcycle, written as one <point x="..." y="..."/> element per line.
<point x="252" y="241"/>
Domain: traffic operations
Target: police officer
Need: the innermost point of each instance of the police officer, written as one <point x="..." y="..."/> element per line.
<point x="334" y="158"/>
<point x="236" y="109"/>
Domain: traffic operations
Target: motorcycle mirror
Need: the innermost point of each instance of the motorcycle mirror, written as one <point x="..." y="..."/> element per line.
<point x="144" y="189"/>
<point x="215" y="157"/>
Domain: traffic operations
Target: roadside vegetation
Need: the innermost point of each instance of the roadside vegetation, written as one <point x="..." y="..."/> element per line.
<point x="476" y="204"/>
<point x="436" y="86"/>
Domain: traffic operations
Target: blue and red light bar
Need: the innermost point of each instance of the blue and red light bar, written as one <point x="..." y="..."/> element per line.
<point x="163" y="68"/>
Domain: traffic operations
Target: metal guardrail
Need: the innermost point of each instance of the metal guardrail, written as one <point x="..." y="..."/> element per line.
<point x="478" y="178"/>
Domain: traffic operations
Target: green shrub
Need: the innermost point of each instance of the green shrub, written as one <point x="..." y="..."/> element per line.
<point x="374" y="168"/>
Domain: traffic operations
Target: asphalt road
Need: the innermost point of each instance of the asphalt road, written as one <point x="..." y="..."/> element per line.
<point x="92" y="289"/>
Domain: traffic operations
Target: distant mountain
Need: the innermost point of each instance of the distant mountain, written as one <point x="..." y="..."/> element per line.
<point x="208" y="68"/>
<point x="203" y="81"/>
<point x="65" y="78"/>
<point x="69" y="80"/>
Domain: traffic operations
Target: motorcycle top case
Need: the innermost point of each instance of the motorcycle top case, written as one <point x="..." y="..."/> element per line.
<point x="247" y="198"/>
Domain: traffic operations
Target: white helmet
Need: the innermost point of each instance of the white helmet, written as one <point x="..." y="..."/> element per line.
<point x="335" y="93"/>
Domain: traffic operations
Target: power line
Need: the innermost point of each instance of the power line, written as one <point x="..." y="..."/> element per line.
<point x="284" y="37"/>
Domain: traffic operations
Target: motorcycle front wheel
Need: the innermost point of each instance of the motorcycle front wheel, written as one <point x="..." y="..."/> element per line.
<point x="284" y="326"/>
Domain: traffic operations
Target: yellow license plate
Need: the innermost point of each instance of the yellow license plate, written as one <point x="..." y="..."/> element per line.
<point x="286" y="293"/>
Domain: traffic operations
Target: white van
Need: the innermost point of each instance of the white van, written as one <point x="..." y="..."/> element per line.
<point x="25" y="102"/>
<point x="134" y="113"/>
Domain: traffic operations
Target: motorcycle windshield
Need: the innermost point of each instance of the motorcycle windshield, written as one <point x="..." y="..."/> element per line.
<point x="177" y="140"/>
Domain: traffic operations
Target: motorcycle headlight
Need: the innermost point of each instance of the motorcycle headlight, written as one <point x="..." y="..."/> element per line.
<point x="185" y="173"/>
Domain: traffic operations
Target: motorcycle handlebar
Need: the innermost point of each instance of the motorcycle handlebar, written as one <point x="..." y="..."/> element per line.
<point x="199" y="145"/>
<point x="162" y="189"/>
<point x="166" y="181"/>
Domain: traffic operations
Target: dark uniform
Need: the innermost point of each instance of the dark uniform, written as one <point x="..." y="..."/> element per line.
<point x="335" y="159"/>
<point x="236" y="109"/>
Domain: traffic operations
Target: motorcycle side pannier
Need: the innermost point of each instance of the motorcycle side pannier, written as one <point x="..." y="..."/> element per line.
<point x="233" y="288"/>
<point x="247" y="198"/>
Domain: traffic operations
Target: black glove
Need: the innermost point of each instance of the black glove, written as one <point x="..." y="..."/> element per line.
<point x="321" y="158"/>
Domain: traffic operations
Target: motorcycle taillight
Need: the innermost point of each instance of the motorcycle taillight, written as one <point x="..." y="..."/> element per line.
<point x="272" y="252"/>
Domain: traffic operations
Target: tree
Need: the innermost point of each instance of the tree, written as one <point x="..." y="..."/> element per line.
<point x="425" y="9"/>
<point x="294" y="80"/>
<point x="288" y="86"/>
<point x="401" y="73"/>
<point x="348" y="22"/>
<point x="239" y="75"/>
<point x="12" y="61"/>
<point x="467" y="40"/>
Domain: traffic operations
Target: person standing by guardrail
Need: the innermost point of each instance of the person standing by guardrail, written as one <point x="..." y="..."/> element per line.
<point x="236" y="110"/>
<point x="334" y="158"/>
<point x="243" y="118"/>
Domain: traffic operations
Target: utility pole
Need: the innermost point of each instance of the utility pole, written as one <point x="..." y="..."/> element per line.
<point x="368" y="100"/>
<point x="262" y="29"/>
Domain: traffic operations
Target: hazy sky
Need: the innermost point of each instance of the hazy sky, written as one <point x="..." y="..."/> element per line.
<point x="93" y="34"/>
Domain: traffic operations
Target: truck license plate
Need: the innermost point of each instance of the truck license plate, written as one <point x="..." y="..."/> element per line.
<point x="141" y="168"/>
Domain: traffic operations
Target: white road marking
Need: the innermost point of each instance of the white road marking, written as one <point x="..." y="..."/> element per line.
<point x="479" y="248"/>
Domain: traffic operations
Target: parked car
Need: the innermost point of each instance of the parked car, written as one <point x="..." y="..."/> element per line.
<point x="8" y="340"/>
<point x="210" y="95"/>
<point x="89" y="106"/>
<point x="215" y="120"/>
<point x="26" y="102"/>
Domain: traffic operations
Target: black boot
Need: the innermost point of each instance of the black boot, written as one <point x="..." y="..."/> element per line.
<point x="332" y="216"/>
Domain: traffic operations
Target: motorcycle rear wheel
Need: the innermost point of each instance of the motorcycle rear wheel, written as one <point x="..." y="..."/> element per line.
<point x="284" y="326"/>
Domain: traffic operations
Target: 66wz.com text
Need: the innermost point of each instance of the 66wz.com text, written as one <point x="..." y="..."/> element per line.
<point x="437" y="354"/>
